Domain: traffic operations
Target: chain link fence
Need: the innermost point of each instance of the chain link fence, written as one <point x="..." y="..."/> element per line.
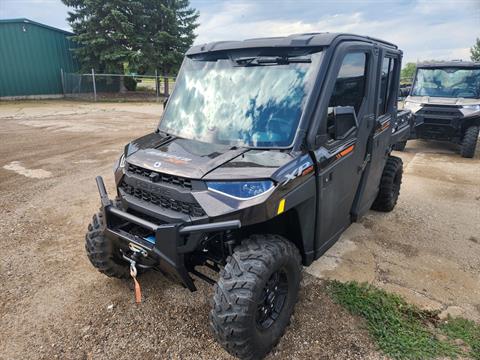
<point x="104" y="87"/>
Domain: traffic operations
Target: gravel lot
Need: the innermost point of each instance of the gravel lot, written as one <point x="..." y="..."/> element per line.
<point x="55" y="305"/>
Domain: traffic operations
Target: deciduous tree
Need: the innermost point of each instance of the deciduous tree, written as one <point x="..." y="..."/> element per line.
<point x="408" y="71"/>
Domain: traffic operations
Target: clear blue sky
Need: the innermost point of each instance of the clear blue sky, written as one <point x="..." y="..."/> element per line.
<point x="435" y="29"/>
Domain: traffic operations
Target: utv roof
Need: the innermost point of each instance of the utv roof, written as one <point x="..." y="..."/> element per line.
<point x="294" y="41"/>
<point x="449" y="64"/>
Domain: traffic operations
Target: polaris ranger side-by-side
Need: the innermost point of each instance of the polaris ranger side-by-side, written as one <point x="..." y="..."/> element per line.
<point x="445" y="100"/>
<point x="267" y="150"/>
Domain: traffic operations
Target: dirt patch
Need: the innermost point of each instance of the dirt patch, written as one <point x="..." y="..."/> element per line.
<point x="17" y="167"/>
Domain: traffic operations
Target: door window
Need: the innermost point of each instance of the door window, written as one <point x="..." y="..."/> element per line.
<point x="349" y="91"/>
<point x="385" y="94"/>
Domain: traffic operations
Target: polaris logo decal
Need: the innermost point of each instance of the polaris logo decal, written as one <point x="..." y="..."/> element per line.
<point x="178" y="160"/>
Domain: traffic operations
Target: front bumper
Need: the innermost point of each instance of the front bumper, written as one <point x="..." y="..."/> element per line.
<point x="438" y="122"/>
<point x="173" y="241"/>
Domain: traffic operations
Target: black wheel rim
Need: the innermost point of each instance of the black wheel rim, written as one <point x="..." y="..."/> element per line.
<point x="273" y="299"/>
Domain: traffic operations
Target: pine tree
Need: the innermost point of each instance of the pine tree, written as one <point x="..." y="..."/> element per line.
<point x="475" y="51"/>
<point x="144" y="35"/>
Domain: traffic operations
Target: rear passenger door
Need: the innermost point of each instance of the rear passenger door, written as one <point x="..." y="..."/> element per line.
<point x="345" y="126"/>
<point x="386" y="112"/>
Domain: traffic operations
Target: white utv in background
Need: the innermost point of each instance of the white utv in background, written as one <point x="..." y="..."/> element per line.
<point x="445" y="99"/>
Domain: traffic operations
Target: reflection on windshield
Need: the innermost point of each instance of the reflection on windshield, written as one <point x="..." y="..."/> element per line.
<point x="256" y="106"/>
<point x="447" y="82"/>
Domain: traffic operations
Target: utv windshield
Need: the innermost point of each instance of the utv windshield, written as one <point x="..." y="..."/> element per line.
<point x="252" y="101"/>
<point x="447" y="82"/>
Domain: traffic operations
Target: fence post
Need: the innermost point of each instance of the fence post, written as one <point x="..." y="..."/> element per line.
<point x="157" y="84"/>
<point x="94" y="86"/>
<point x="166" y="85"/>
<point x="63" y="81"/>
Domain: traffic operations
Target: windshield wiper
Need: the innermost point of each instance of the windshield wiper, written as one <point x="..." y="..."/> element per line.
<point x="164" y="133"/>
<point x="269" y="60"/>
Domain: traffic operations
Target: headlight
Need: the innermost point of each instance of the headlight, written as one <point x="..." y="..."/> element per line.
<point x="412" y="106"/>
<point x="241" y="190"/>
<point x="121" y="163"/>
<point x="471" y="107"/>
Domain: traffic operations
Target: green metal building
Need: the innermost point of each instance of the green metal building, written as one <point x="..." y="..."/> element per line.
<point x="31" y="58"/>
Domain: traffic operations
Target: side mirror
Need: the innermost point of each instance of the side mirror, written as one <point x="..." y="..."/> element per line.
<point x="345" y="121"/>
<point x="165" y="101"/>
<point x="341" y="122"/>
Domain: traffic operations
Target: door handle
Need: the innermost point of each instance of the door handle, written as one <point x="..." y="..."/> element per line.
<point x="328" y="179"/>
<point x="362" y="167"/>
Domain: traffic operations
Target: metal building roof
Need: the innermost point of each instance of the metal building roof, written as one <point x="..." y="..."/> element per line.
<point x="27" y="21"/>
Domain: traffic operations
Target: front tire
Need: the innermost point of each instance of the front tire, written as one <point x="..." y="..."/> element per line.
<point x="256" y="295"/>
<point x="469" y="142"/>
<point x="101" y="253"/>
<point x="389" y="185"/>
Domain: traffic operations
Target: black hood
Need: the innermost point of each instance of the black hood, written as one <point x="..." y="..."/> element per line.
<point x="195" y="160"/>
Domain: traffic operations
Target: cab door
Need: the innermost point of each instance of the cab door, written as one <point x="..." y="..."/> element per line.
<point x="386" y="112"/>
<point x="347" y="112"/>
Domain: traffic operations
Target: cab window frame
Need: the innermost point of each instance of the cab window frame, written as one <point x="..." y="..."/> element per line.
<point x="384" y="106"/>
<point x="332" y="142"/>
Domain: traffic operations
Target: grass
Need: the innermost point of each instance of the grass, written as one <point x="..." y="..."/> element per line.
<point x="403" y="331"/>
<point x="465" y="330"/>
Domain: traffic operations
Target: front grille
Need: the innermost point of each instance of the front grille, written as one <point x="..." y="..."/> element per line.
<point x="437" y="121"/>
<point x="448" y="112"/>
<point x="191" y="209"/>
<point x="440" y="113"/>
<point x="159" y="177"/>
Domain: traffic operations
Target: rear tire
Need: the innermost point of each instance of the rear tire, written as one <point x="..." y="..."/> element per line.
<point x="100" y="251"/>
<point x="256" y="295"/>
<point x="469" y="142"/>
<point x="389" y="185"/>
<point x="400" y="146"/>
